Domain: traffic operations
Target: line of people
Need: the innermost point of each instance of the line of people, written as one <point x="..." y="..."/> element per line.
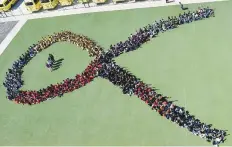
<point x="144" y="34"/>
<point x="105" y="67"/>
<point x="13" y="81"/>
<point x="67" y="36"/>
<point x="52" y="91"/>
<point x="132" y="85"/>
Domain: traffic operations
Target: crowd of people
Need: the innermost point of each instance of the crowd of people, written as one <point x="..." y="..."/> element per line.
<point x="52" y="91"/>
<point x="67" y="36"/>
<point x="105" y="67"/>
<point x="144" y="34"/>
<point x="131" y="85"/>
<point x="14" y="80"/>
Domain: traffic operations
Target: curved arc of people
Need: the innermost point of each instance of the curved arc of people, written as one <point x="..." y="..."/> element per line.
<point x="104" y="66"/>
<point x="35" y="97"/>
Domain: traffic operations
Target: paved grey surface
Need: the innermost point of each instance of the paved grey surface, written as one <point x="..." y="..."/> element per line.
<point x="5" y="28"/>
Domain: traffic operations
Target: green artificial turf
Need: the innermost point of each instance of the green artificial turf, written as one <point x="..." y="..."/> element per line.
<point x="192" y="64"/>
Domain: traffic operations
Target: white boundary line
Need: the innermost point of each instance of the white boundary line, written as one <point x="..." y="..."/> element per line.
<point x="103" y="8"/>
<point x="11" y="35"/>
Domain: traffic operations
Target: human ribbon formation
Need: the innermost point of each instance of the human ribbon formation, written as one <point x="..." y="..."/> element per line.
<point x="104" y="66"/>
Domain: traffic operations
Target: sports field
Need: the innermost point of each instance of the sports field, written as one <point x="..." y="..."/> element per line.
<point x="192" y="64"/>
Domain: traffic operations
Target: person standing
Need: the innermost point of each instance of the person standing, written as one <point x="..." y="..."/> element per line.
<point x="50" y="62"/>
<point x="182" y="6"/>
<point x="51" y="57"/>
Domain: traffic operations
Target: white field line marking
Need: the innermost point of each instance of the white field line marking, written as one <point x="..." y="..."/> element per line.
<point x="11" y="35"/>
<point x="103" y="8"/>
